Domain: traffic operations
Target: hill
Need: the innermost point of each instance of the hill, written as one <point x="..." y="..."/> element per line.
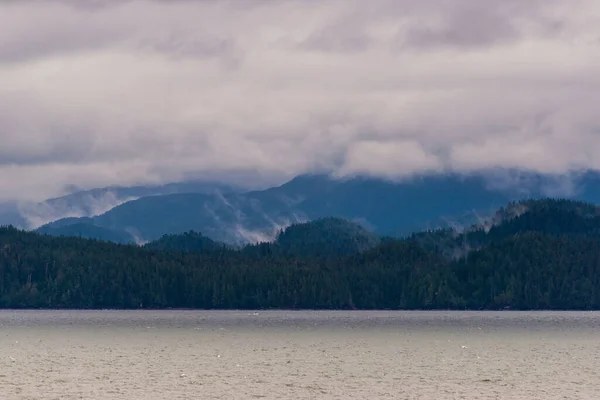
<point x="186" y="242"/>
<point x="535" y="259"/>
<point x="320" y="238"/>
<point x="553" y="217"/>
<point x="325" y="237"/>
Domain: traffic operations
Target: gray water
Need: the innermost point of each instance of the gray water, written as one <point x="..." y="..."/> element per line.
<point x="298" y="355"/>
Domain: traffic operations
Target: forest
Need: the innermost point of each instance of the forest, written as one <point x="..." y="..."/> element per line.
<point x="538" y="254"/>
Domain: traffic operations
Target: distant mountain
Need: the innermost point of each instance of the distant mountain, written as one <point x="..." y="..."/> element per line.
<point x="93" y="202"/>
<point x="231" y="218"/>
<point x="382" y="206"/>
<point x="88" y="231"/>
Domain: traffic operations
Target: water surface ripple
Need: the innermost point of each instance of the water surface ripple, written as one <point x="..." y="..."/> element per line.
<point x="299" y="355"/>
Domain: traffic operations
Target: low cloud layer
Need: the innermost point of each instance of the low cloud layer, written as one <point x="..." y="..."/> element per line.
<point x="128" y="92"/>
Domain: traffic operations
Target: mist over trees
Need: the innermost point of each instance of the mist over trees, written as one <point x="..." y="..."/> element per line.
<point x="541" y="254"/>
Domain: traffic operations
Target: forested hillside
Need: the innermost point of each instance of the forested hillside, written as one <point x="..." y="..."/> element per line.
<point x="555" y="217"/>
<point x="188" y="241"/>
<point x="326" y="237"/>
<point x="546" y="256"/>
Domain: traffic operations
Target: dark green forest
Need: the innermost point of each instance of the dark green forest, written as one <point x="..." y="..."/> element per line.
<point x="542" y="254"/>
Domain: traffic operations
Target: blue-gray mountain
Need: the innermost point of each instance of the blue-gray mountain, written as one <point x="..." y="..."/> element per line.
<point x="93" y="202"/>
<point x="385" y="207"/>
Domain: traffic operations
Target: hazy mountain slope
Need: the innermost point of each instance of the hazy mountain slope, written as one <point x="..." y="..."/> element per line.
<point x="231" y="218"/>
<point x="89" y="231"/>
<point x="92" y="202"/>
<point x="384" y="207"/>
<point x="398" y="208"/>
<point x="10" y="215"/>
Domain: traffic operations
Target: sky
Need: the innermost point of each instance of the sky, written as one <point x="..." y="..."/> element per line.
<point x="116" y="92"/>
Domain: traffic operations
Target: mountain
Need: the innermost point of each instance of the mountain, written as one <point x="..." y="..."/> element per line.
<point x="538" y="254"/>
<point x="87" y="230"/>
<point x="382" y="206"/>
<point x="93" y="202"/>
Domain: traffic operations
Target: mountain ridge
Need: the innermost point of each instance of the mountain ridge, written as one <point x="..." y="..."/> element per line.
<point x="92" y="202"/>
<point x="385" y="207"/>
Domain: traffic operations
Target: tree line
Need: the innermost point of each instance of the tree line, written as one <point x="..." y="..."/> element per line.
<point x="545" y="258"/>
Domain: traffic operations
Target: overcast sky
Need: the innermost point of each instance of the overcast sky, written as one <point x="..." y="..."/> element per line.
<point x="94" y="93"/>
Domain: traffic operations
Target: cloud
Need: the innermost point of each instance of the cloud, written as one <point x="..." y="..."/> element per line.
<point x="131" y="92"/>
<point x="380" y="158"/>
<point x="478" y="25"/>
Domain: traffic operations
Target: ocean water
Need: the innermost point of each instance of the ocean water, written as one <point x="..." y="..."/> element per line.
<point x="299" y="355"/>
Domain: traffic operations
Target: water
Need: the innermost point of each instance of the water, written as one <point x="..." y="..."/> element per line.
<point x="298" y="355"/>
